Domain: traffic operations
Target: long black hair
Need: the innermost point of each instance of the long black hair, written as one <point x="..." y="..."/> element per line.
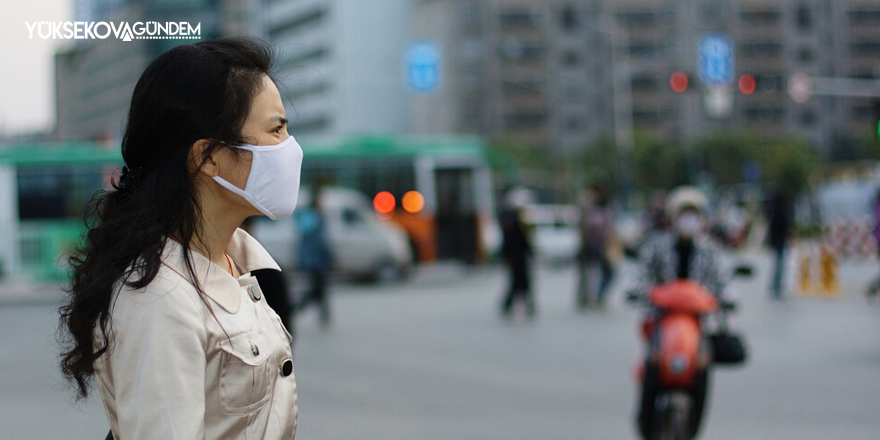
<point x="191" y="92"/>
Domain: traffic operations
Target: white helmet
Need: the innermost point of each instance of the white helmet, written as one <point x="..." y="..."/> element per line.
<point x="685" y="197"/>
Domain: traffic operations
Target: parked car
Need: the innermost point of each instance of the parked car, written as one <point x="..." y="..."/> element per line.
<point x="363" y="245"/>
<point x="555" y="236"/>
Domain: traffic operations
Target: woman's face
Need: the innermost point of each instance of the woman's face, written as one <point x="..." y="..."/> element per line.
<point x="266" y="124"/>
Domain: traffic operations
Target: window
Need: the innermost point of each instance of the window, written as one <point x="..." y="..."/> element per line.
<point x="808" y="118"/>
<point x="770" y="82"/>
<point x="805" y="55"/>
<point x="522" y="88"/>
<point x="569" y="18"/>
<point x="525" y="120"/>
<point x="864" y="17"/>
<point x="804" y="18"/>
<point x="517" y="19"/>
<point x="643" y="49"/>
<point x="56" y="192"/>
<point x="865" y="48"/>
<point x="637" y="19"/>
<point x="307" y="57"/>
<point x="760" y="49"/>
<point x="644" y="84"/>
<point x="861" y="112"/>
<point x="764" y="114"/>
<point x="515" y="50"/>
<point x="645" y="116"/>
<point x="761" y="17"/>
<point x="574" y="124"/>
<point x="571" y="58"/>
<point x="313" y="17"/>
<point x="308" y="89"/>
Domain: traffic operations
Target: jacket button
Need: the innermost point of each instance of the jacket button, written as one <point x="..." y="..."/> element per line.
<point x="254" y="292"/>
<point x="286" y="368"/>
<point x="255" y="350"/>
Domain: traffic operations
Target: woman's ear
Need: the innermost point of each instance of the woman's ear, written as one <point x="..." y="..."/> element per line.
<point x="199" y="161"/>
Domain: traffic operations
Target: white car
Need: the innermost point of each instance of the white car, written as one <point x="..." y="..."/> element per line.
<point x="363" y="245"/>
<point x="555" y="231"/>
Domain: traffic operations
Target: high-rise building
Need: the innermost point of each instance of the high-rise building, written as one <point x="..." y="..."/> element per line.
<point x="94" y="79"/>
<point x="559" y="73"/>
<point x="341" y="64"/>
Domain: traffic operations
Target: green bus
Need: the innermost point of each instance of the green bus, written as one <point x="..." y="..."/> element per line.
<point x="44" y="187"/>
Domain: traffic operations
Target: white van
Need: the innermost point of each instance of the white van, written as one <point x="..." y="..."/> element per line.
<point x="363" y="245"/>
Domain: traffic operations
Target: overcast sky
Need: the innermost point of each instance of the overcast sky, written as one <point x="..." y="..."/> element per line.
<point x="27" y="89"/>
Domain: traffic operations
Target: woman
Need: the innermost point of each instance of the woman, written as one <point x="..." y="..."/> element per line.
<point x="163" y="310"/>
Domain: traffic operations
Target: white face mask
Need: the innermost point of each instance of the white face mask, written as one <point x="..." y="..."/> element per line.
<point x="273" y="183"/>
<point x="688" y="225"/>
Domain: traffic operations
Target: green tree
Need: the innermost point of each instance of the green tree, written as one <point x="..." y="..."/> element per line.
<point x="785" y="161"/>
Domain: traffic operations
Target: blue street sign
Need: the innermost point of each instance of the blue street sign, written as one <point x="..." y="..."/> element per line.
<point x="716" y="59"/>
<point x="423" y="66"/>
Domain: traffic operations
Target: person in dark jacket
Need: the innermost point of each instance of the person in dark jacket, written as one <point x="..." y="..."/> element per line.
<point x="315" y="256"/>
<point x="275" y="288"/>
<point x="516" y="251"/>
<point x="780" y="213"/>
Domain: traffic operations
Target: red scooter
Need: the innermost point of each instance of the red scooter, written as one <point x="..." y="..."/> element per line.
<point x="674" y="375"/>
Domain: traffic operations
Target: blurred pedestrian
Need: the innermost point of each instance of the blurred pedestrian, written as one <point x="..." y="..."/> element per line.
<point x="874" y="288"/>
<point x="275" y="289"/>
<point x="597" y="237"/>
<point x="780" y="212"/>
<point x="516" y="251"/>
<point x="314" y="255"/>
<point x="163" y="311"/>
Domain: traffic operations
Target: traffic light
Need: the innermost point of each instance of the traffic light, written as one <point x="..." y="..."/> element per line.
<point x="747" y="84"/>
<point x="679" y="81"/>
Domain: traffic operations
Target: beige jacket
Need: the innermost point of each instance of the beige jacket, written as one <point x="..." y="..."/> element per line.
<point x="175" y="370"/>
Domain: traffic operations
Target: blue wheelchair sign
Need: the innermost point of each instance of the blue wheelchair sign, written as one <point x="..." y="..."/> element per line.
<point x="716" y="59"/>
<point x="423" y="66"/>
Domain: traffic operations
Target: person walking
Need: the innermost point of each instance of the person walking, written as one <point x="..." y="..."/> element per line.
<point x="516" y="251"/>
<point x="779" y="231"/>
<point x="163" y="311"/>
<point x="874" y="288"/>
<point x="314" y="255"/>
<point x="596" y="235"/>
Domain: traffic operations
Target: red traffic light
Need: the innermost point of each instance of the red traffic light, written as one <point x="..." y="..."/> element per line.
<point x="678" y="82"/>
<point x="747" y="84"/>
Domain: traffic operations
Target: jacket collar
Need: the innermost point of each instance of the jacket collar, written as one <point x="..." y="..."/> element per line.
<point x="216" y="281"/>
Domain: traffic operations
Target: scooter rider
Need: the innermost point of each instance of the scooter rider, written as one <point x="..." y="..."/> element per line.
<point x="682" y="252"/>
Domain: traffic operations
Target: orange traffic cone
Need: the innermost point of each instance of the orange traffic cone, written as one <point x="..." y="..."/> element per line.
<point x="830" y="283"/>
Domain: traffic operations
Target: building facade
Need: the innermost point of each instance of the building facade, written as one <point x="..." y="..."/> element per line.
<point x="341" y="64"/>
<point x="560" y="73"/>
<point x="94" y="79"/>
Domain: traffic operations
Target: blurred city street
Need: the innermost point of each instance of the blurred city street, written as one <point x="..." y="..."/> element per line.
<point x="431" y="358"/>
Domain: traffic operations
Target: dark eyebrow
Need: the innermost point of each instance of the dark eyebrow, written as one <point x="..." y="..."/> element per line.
<point x="281" y="119"/>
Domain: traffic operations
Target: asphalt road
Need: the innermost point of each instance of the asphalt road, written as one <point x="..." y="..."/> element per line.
<point x="432" y="359"/>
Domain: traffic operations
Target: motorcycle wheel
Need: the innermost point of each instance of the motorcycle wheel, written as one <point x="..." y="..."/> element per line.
<point x="699" y="392"/>
<point x="647" y="417"/>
